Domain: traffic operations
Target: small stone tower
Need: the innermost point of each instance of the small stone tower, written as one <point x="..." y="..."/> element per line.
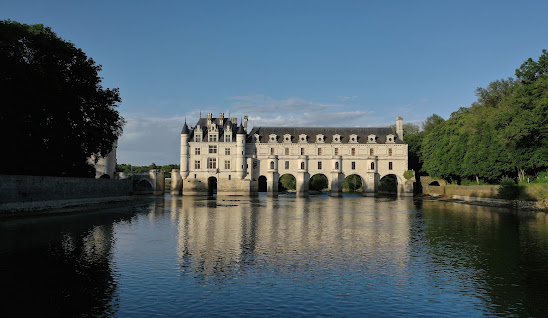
<point x="184" y="151"/>
<point x="399" y="127"/>
<point x="240" y="152"/>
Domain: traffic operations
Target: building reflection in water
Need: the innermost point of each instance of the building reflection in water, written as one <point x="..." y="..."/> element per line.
<point x="217" y="237"/>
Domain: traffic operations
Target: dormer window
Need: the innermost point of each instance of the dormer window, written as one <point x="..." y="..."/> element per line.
<point x="198" y="137"/>
<point x="371" y="139"/>
<point x="212" y="137"/>
<point x="336" y="138"/>
<point x="302" y="138"/>
<point x="287" y="138"/>
<point x="320" y="138"/>
<point x="390" y="139"/>
<point x="272" y="138"/>
<point x="256" y="138"/>
<point x="228" y="138"/>
<point x="353" y="139"/>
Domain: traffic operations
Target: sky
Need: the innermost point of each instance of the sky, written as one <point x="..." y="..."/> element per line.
<point x="289" y="63"/>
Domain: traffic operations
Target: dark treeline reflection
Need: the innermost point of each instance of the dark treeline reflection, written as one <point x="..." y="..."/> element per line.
<point x="501" y="253"/>
<point x="59" y="266"/>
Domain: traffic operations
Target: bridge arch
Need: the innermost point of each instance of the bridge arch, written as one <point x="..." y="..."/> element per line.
<point x="262" y="184"/>
<point x="287" y="182"/>
<point x="211" y="186"/>
<point x="318" y="182"/>
<point x="391" y="184"/>
<point x="353" y="183"/>
<point x="142" y="186"/>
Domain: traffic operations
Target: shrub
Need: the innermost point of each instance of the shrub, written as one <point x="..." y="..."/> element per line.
<point x="509" y="190"/>
<point x="409" y="174"/>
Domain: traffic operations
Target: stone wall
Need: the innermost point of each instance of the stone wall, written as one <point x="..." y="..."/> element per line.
<point x="485" y="191"/>
<point x="36" y="189"/>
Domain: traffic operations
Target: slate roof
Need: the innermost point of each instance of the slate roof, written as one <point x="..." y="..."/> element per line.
<point x="328" y="132"/>
<point x="203" y="125"/>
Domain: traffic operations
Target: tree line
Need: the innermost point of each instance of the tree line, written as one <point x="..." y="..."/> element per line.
<point x="502" y="134"/>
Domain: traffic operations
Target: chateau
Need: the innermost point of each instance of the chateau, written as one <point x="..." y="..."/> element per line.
<point x="219" y="155"/>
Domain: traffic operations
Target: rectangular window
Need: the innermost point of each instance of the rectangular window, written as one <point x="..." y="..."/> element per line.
<point x="287" y="165"/>
<point x="197" y="164"/>
<point x="371" y="152"/>
<point x="287" y="151"/>
<point x="228" y="138"/>
<point x="212" y="138"/>
<point x="197" y="151"/>
<point x="271" y="151"/>
<point x="198" y="138"/>
<point x="227" y="151"/>
<point x="302" y="151"/>
<point x="319" y="165"/>
<point x="353" y="165"/>
<point x="212" y="163"/>
<point x="336" y="151"/>
<point x="319" y="151"/>
<point x="212" y="149"/>
<point x="229" y="177"/>
<point x="227" y="164"/>
<point x="353" y="151"/>
<point x="390" y="165"/>
<point x="390" y="151"/>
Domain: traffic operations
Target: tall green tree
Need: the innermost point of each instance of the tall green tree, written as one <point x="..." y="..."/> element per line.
<point x="55" y="113"/>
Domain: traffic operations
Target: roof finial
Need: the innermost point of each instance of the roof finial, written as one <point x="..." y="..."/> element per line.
<point x="200" y="113"/>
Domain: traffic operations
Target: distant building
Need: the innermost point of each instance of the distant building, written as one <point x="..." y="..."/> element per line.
<point x="105" y="166"/>
<point x="219" y="155"/>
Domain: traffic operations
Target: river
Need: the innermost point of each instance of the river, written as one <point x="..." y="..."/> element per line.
<point x="286" y="256"/>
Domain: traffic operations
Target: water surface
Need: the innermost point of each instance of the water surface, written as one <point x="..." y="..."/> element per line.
<point x="288" y="256"/>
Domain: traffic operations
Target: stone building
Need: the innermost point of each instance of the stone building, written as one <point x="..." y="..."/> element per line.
<point x="218" y="155"/>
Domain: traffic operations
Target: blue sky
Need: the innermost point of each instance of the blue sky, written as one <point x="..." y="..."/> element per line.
<point x="306" y="63"/>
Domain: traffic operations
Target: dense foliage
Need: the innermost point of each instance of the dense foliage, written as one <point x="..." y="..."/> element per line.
<point x="504" y="133"/>
<point x="55" y="114"/>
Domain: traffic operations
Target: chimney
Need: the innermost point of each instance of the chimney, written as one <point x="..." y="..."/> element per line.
<point x="245" y="123"/>
<point x="209" y="116"/>
<point x="399" y="127"/>
<point x="234" y="120"/>
<point x="221" y="118"/>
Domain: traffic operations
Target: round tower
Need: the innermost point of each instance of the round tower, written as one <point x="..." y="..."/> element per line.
<point x="184" y="151"/>
<point x="240" y="152"/>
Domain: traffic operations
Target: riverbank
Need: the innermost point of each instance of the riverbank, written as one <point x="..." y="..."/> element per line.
<point x="53" y="207"/>
<point x="491" y="202"/>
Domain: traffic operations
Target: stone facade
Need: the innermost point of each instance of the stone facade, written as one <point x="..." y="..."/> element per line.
<point x="219" y="154"/>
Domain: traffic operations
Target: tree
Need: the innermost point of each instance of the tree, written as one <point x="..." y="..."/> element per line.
<point x="52" y="94"/>
<point x="288" y="181"/>
<point x="318" y="182"/>
<point x="431" y="123"/>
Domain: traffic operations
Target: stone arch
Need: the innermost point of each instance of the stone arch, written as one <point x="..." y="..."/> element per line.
<point x="389" y="184"/>
<point x="318" y="182"/>
<point x="142" y="186"/>
<point x="289" y="182"/>
<point x="105" y="176"/>
<point x="434" y="183"/>
<point x="211" y="186"/>
<point x="262" y="184"/>
<point x="353" y="183"/>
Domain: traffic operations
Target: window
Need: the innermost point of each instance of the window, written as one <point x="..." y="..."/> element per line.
<point x="353" y="151"/>
<point x="353" y="165"/>
<point x="287" y="164"/>
<point x="371" y="152"/>
<point x="212" y="138"/>
<point x="287" y="151"/>
<point x="197" y="151"/>
<point x="319" y="151"/>
<point x="336" y="165"/>
<point x="228" y="138"/>
<point x="372" y="166"/>
<point x="271" y="151"/>
<point x="227" y="151"/>
<point x="229" y="177"/>
<point x="271" y="164"/>
<point x="302" y="165"/>
<point x="336" y="151"/>
<point x="302" y="151"/>
<point x="212" y="163"/>
<point x="390" y="165"/>
<point x="212" y="149"/>
<point x="198" y="138"/>
<point x="227" y="164"/>
<point x="197" y="165"/>
<point x="390" y="151"/>
<point x="319" y="165"/>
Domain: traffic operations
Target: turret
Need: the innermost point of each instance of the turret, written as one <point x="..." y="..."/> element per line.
<point x="240" y="152"/>
<point x="184" y="151"/>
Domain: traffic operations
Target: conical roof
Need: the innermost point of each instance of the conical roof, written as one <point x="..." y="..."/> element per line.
<point x="185" y="129"/>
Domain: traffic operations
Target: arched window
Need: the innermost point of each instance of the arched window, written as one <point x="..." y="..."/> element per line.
<point x="372" y="166"/>
<point x="302" y="165"/>
<point x="271" y="164"/>
<point x="337" y="165"/>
